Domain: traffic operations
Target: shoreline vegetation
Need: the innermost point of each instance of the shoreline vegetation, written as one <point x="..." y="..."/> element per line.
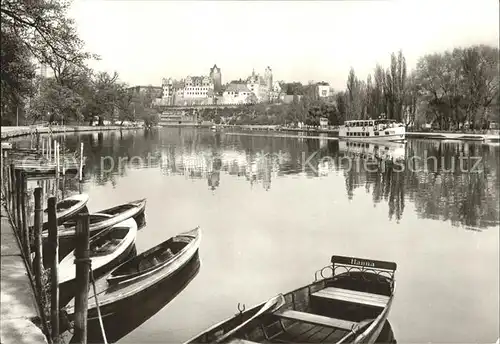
<point x="11" y="132"/>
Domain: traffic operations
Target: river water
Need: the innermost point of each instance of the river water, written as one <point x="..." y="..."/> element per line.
<point x="274" y="209"/>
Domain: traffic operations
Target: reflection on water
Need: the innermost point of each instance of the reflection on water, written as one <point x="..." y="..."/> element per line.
<point x="386" y="336"/>
<point x="432" y="175"/>
<point x="274" y="209"/>
<point x="144" y="306"/>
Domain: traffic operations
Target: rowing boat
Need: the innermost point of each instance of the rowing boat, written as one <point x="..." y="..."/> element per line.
<point x="145" y="305"/>
<point x="97" y="222"/>
<point x="348" y="302"/>
<point x="67" y="208"/>
<point x="106" y="250"/>
<point x="104" y="218"/>
<point x="141" y="273"/>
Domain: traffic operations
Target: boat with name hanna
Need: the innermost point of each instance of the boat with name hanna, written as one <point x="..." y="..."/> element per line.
<point x="348" y="302"/>
<point x="373" y="129"/>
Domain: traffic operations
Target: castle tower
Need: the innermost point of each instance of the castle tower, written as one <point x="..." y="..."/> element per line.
<point x="268" y="77"/>
<point x="216" y="76"/>
<point x="168" y="91"/>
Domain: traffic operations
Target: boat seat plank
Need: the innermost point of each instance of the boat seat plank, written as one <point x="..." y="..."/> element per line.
<point x="353" y="296"/>
<point x="316" y="319"/>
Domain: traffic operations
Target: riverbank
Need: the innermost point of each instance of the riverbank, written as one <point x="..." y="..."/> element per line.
<point x="489" y="137"/>
<point x="18" y="302"/>
<point x="10" y="132"/>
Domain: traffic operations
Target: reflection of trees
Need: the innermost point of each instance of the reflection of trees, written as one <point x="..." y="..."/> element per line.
<point x="380" y="177"/>
<point x="449" y="193"/>
<point x="435" y="182"/>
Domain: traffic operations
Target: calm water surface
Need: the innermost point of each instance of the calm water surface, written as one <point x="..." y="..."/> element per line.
<point x="274" y="209"/>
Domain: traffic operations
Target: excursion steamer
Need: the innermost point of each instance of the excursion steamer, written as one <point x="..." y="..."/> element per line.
<point x="373" y="130"/>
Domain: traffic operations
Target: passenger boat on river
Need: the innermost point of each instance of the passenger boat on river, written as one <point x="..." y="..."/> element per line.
<point x="349" y="302"/>
<point x="373" y="129"/>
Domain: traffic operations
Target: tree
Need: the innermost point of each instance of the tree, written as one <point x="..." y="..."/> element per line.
<point x="293" y="88"/>
<point x="17" y="74"/>
<point x="39" y="30"/>
<point x="410" y="101"/>
<point x="400" y="86"/>
<point x="379" y="101"/>
<point x="107" y="93"/>
<point x="56" y="103"/>
<point x="480" y="80"/>
<point x="151" y="119"/>
<point x="432" y="76"/>
<point x="45" y="29"/>
<point x="371" y="110"/>
<point x="355" y="96"/>
<point x="341" y="105"/>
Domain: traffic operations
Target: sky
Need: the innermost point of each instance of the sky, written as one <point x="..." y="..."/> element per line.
<point x="145" y="41"/>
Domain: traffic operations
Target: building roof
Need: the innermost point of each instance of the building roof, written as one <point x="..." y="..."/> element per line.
<point x="237" y="88"/>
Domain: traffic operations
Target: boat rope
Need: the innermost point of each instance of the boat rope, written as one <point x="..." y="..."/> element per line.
<point x="98" y="309"/>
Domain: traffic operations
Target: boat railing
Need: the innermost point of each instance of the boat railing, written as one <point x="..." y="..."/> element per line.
<point x="346" y="265"/>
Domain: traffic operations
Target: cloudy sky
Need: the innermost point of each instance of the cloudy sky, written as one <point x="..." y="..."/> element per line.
<point x="147" y="40"/>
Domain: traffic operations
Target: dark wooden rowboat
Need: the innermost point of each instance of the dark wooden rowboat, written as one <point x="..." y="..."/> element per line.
<point x="351" y="305"/>
<point x="145" y="305"/>
<point x="107" y="250"/>
<point x="104" y="219"/>
<point x="154" y="259"/>
<point x="142" y="272"/>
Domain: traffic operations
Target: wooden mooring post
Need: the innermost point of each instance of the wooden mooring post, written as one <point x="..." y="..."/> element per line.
<point x="80" y="169"/>
<point x="13" y="191"/>
<point x="82" y="263"/>
<point x="81" y="162"/>
<point x="24" y="217"/>
<point x="54" y="259"/>
<point x="8" y="196"/>
<point x="49" y="150"/>
<point x="3" y="157"/>
<point x="19" y="188"/>
<point x="38" y="265"/>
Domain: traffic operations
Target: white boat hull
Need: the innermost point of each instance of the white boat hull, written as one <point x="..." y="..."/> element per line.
<point x="372" y="130"/>
<point x="67" y="265"/>
<point x="387" y="138"/>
